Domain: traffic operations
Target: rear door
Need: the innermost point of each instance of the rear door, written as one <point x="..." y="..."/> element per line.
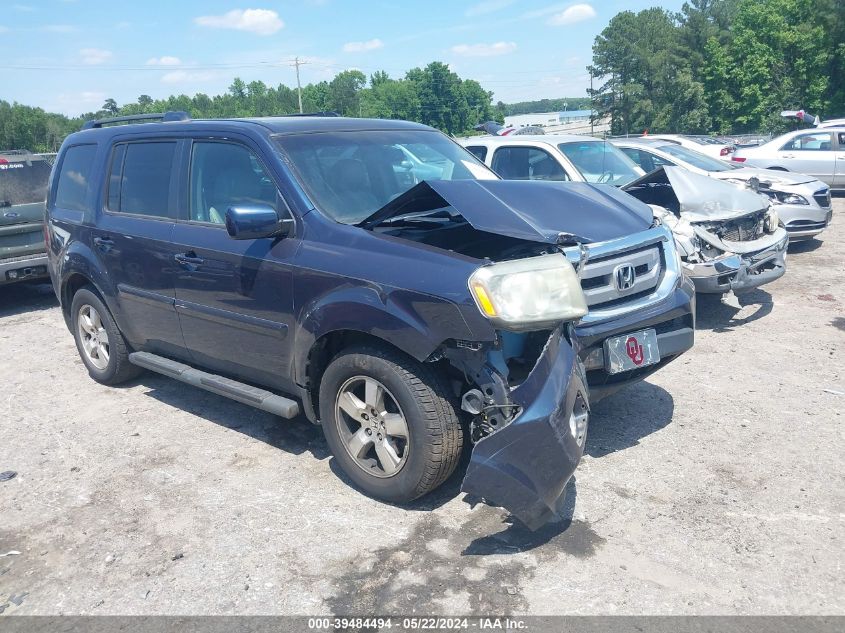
<point x="23" y="191"/>
<point x="133" y="240"/>
<point x="812" y="153"/>
<point x="234" y="297"/>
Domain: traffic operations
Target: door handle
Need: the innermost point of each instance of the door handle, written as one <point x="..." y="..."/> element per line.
<point x="789" y="155"/>
<point x="189" y="259"/>
<point x="105" y="244"/>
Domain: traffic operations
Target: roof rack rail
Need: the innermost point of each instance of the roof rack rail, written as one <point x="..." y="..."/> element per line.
<point x="324" y="113"/>
<point x="164" y="117"/>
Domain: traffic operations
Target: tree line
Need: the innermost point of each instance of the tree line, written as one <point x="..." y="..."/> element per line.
<point x="433" y="95"/>
<point x="724" y="66"/>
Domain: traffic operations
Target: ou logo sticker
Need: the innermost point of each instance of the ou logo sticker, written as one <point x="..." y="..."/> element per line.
<point x="634" y="350"/>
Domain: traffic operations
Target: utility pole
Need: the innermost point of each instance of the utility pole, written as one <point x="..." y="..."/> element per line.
<point x="592" y="98"/>
<point x="298" y="63"/>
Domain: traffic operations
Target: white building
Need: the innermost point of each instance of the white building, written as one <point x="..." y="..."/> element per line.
<point x="570" y="121"/>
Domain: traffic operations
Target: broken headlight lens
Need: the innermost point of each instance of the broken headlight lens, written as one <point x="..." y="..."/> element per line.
<point x="772" y="220"/>
<point x="530" y="293"/>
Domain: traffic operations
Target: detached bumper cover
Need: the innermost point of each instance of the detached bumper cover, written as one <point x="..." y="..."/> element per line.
<point x="741" y="272"/>
<point x="525" y="466"/>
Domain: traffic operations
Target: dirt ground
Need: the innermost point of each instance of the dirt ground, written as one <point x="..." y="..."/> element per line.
<point x="716" y="487"/>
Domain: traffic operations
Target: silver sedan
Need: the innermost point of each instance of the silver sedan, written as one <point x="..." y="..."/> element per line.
<point x="818" y="152"/>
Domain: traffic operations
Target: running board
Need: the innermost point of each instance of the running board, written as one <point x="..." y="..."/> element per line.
<point x="226" y="387"/>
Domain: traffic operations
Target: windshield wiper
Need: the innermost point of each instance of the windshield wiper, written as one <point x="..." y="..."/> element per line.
<point x="436" y="216"/>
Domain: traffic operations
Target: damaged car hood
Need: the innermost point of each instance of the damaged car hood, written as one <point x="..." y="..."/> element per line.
<point x="536" y="211"/>
<point x="700" y="198"/>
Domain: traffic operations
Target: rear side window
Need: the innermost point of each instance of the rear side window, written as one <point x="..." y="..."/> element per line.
<point x="75" y="177"/>
<point x="479" y="151"/>
<point x="527" y="163"/>
<point x="140" y="178"/>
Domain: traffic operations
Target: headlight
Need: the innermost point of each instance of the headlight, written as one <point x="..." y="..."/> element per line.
<point x="782" y="197"/>
<point x="772" y="220"/>
<point x="527" y="294"/>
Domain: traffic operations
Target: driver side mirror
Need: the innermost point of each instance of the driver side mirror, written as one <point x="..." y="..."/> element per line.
<point x="256" y="221"/>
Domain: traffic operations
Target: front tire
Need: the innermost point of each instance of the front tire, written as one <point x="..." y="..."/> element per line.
<point x="389" y="422"/>
<point x="100" y="344"/>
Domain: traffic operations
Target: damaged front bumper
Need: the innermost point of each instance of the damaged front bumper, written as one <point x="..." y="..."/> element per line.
<point x="524" y="467"/>
<point x="743" y="266"/>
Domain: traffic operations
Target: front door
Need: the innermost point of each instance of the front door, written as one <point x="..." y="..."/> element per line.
<point x="812" y="154"/>
<point x="132" y="238"/>
<point x="233" y="297"/>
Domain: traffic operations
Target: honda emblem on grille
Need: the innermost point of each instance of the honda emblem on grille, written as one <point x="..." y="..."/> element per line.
<point x="624" y="275"/>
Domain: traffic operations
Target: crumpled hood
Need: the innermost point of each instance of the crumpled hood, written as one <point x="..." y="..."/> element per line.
<point x="700" y="198"/>
<point x="534" y="211"/>
<point x="771" y="176"/>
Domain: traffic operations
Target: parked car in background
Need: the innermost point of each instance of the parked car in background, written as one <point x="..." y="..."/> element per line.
<point x="735" y="245"/>
<point x="802" y="202"/>
<point x="819" y="153"/>
<point x="23" y="190"/>
<point x="705" y="144"/>
<point x="306" y="264"/>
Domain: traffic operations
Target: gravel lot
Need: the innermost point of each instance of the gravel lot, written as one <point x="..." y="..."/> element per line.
<point x="717" y="487"/>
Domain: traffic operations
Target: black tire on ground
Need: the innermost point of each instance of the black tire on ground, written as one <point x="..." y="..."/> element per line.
<point x="118" y="369"/>
<point x="434" y="429"/>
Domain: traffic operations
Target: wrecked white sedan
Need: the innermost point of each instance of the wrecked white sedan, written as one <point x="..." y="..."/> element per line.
<point x="728" y="238"/>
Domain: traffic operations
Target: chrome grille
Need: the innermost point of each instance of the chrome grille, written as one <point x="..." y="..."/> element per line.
<point x="598" y="277"/>
<point x="822" y="198"/>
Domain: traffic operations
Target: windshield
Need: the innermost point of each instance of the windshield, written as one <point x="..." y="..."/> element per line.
<point x="696" y="159"/>
<point x="350" y="175"/>
<point x="601" y="162"/>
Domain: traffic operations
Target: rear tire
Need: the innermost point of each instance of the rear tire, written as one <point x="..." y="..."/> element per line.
<point x="413" y="441"/>
<point x="100" y="344"/>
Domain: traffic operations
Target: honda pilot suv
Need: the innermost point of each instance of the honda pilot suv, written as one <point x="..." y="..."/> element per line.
<point x="372" y="275"/>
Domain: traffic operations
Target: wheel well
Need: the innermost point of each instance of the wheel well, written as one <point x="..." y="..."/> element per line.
<point x="327" y="347"/>
<point x="72" y="285"/>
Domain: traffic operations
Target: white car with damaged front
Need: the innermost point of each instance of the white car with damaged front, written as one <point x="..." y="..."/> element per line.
<point x="803" y="203"/>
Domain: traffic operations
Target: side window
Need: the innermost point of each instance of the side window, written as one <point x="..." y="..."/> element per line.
<point x="842" y="140"/>
<point x="527" y="163"/>
<point x="479" y="151"/>
<point x="225" y="175"/>
<point x="139" y="179"/>
<point x="72" y="188"/>
<point x="817" y="142"/>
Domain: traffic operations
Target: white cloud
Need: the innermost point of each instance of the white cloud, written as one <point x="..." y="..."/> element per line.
<point x="360" y="47"/>
<point x="484" y="50"/>
<point x="166" y="60"/>
<point x="59" y="28"/>
<point x="575" y="13"/>
<point x="95" y="56"/>
<point x="487" y="6"/>
<point x="258" y="21"/>
<point x="182" y="77"/>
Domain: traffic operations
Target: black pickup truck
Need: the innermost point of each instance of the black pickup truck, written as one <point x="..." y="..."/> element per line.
<point x="23" y="190"/>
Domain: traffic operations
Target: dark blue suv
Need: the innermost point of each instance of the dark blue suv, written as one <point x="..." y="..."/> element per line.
<point x="370" y="274"/>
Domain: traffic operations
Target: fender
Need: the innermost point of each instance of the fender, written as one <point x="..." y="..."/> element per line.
<point x="413" y="322"/>
<point x="78" y="258"/>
